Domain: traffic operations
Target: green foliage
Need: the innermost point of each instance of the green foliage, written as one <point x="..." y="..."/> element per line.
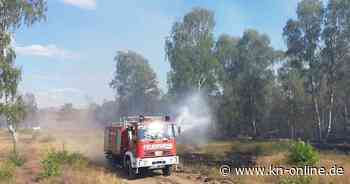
<point x="15" y="111"/>
<point x="54" y="162"/>
<point x="135" y="84"/>
<point x="261" y="148"/>
<point x="189" y="50"/>
<point x="16" y="159"/>
<point x="7" y="171"/>
<point x="303" y="154"/>
<point x="247" y="79"/>
<point x="295" y="180"/>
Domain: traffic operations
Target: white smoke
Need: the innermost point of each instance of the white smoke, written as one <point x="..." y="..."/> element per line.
<point x="194" y="118"/>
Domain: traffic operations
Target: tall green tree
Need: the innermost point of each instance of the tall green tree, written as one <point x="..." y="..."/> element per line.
<point x="189" y="50"/>
<point x="293" y="94"/>
<point x="228" y="113"/>
<point x="303" y="38"/>
<point x="135" y="84"/>
<point x="14" y="14"/>
<point x="336" y="36"/>
<point x="255" y="76"/>
<point x="247" y="79"/>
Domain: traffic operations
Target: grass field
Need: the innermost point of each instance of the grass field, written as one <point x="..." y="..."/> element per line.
<point x="199" y="163"/>
<point x="263" y="153"/>
<point x="33" y="150"/>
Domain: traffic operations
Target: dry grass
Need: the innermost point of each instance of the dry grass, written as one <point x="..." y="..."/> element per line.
<point x="268" y="153"/>
<point x="83" y="176"/>
<point x="34" y="150"/>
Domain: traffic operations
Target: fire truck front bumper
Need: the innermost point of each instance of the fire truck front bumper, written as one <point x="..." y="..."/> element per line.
<point x="157" y="162"/>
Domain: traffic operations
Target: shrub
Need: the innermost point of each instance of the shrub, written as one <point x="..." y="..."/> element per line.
<point x="55" y="160"/>
<point x="7" y="171"/>
<point x="16" y="159"/>
<point x="51" y="165"/>
<point x="303" y="154"/>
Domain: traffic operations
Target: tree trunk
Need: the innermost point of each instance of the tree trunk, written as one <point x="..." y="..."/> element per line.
<point x="14" y="140"/>
<point x="318" y="118"/>
<point x="346" y="124"/>
<point x="291" y="129"/>
<point x="331" y="101"/>
<point x="254" y="127"/>
<point x="346" y="116"/>
<point x="13" y="133"/>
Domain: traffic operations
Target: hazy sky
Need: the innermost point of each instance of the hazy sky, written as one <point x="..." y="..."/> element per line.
<point x="69" y="58"/>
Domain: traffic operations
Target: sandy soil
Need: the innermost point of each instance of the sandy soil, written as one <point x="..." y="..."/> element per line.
<point x="28" y="173"/>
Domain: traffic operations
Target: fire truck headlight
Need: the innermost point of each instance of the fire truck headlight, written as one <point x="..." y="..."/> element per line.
<point x="143" y="163"/>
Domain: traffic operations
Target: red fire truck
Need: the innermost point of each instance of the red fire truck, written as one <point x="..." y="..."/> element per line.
<point x="142" y="143"/>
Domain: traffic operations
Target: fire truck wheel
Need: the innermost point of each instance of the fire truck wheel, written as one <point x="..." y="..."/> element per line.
<point x="167" y="171"/>
<point x="130" y="170"/>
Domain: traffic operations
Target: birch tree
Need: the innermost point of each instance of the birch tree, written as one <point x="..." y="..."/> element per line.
<point x="189" y="50"/>
<point x="303" y="38"/>
<point x="13" y="15"/>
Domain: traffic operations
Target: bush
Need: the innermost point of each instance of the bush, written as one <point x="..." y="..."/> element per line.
<point x="55" y="160"/>
<point x="7" y="171"/>
<point x="303" y="154"/>
<point x="16" y="159"/>
<point x="295" y="180"/>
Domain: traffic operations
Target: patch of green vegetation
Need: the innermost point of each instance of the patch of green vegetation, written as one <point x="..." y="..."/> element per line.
<point x="259" y="148"/>
<point x="54" y="162"/>
<point x="7" y="171"/>
<point x="16" y="159"/>
<point x="295" y="180"/>
<point x="303" y="154"/>
<point x="219" y="150"/>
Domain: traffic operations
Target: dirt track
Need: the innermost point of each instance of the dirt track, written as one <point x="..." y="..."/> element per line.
<point x="152" y="177"/>
<point x="162" y="180"/>
<point x="92" y="147"/>
<point x="27" y="174"/>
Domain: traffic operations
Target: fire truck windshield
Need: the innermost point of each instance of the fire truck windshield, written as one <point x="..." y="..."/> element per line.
<point x="156" y="130"/>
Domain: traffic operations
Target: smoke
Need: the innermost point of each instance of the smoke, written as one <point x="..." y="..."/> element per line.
<point x="78" y="131"/>
<point x="194" y="118"/>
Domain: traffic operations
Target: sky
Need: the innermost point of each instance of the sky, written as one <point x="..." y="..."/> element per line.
<point x="69" y="57"/>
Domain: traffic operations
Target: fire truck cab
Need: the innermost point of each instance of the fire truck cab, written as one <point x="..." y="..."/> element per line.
<point x="142" y="143"/>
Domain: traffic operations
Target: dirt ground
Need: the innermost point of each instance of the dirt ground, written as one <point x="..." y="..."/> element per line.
<point x="32" y="151"/>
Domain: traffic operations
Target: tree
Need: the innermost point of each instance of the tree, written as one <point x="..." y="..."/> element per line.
<point x="189" y="50"/>
<point x="336" y="36"/>
<point x="292" y="88"/>
<point x="228" y="113"/>
<point x="254" y="76"/>
<point x="303" y="42"/>
<point x="14" y="14"/>
<point x="247" y="78"/>
<point x="135" y="84"/>
<point x="14" y="113"/>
